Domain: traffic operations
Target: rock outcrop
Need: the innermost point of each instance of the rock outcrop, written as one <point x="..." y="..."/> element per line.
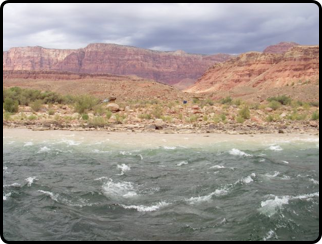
<point x="164" y="67"/>
<point x="253" y="72"/>
<point x="281" y="47"/>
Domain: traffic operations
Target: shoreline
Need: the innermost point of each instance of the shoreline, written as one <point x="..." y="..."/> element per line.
<point x="168" y="128"/>
<point x="145" y="140"/>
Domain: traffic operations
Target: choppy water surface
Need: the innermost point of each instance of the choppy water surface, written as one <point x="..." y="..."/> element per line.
<point x="71" y="189"/>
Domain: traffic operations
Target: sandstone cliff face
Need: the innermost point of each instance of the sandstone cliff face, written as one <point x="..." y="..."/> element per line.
<point x="281" y="47"/>
<point x="165" y="67"/>
<point x="255" y="71"/>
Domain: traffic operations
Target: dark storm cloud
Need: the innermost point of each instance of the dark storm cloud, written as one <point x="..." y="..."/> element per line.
<point x="194" y="28"/>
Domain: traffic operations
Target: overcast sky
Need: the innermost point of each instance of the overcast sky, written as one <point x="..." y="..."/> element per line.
<point x="206" y="28"/>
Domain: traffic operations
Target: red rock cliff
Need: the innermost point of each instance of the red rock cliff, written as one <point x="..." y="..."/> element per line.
<point x="165" y="67"/>
<point x="260" y="71"/>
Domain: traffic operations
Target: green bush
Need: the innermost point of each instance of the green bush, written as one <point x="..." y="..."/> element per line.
<point x="10" y="105"/>
<point x="85" y="103"/>
<point x="85" y="117"/>
<point x="274" y="105"/>
<point x="97" y="122"/>
<point x="240" y="119"/>
<point x="244" y="113"/>
<point x="36" y="105"/>
<point x="226" y="100"/>
<point x="108" y="114"/>
<point x="315" y="115"/>
<point x="284" y="100"/>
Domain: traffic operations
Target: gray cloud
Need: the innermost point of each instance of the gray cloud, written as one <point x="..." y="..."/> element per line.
<point x="194" y="28"/>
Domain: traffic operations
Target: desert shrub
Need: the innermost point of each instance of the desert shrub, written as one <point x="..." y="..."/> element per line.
<point x="97" y="122"/>
<point x="269" y="118"/>
<point x="108" y="114"/>
<point x="315" y="104"/>
<point x="274" y="105"/>
<point x="166" y="118"/>
<point x="240" y="120"/>
<point x="223" y="117"/>
<point x="98" y="110"/>
<point x="284" y="100"/>
<point x="36" y="105"/>
<point x="226" y="100"/>
<point x="85" y="117"/>
<point x="191" y="119"/>
<point x="10" y="105"/>
<point x="244" y="113"/>
<point x="237" y="102"/>
<point x="120" y="118"/>
<point x="296" y="116"/>
<point x="315" y="115"/>
<point x="32" y="117"/>
<point x="145" y="116"/>
<point x="157" y="112"/>
<point x="7" y="116"/>
<point x="85" y="103"/>
<point x="51" y="112"/>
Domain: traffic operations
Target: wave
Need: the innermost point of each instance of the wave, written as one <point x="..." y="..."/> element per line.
<point x="182" y="163"/>
<point x="50" y="194"/>
<point x="276" y="173"/>
<point x="142" y="208"/>
<point x="271" y="206"/>
<point x="71" y="142"/>
<point x="31" y="180"/>
<point x="29" y="143"/>
<point x="123" y="168"/>
<point x="5" y="196"/>
<point x="237" y="152"/>
<point x="275" y="148"/>
<point x="120" y="189"/>
<point x="269" y="235"/>
<point x="44" y="149"/>
<point x="168" y="148"/>
<point x="12" y="185"/>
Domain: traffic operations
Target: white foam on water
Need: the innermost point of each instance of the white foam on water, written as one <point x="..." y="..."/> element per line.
<point x="275" y="148"/>
<point x="123" y="168"/>
<point x="237" y="152"/>
<point x="125" y="153"/>
<point x="44" y="149"/>
<point x="30" y="180"/>
<point x="286" y="177"/>
<point x="71" y="142"/>
<point x="207" y="198"/>
<point x="285" y="162"/>
<point x="5" y="196"/>
<point x="248" y="179"/>
<point x="270" y="207"/>
<point x="169" y="148"/>
<point x="13" y="185"/>
<point x="140" y="156"/>
<point x="142" y="208"/>
<point x="119" y="190"/>
<point x="217" y="167"/>
<point x="307" y="196"/>
<point x="269" y="235"/>
<point x="200" y="199"/>
<point x="276" y="173"/>
<point x="29" y="143"/>
<point x="315" y="182"/>
<point x="102" y="178"/>
<point x="182" y="163"/>
<point x="50" y="194"/>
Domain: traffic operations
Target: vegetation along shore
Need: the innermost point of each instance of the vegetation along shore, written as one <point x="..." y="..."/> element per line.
<point x="39" y="110"/>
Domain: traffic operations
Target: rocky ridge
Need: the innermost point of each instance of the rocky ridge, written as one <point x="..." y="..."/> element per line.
<point x="165" y="67"/>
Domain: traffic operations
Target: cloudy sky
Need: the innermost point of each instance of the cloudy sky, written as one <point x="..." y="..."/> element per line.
<point x="206" y="28"/>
